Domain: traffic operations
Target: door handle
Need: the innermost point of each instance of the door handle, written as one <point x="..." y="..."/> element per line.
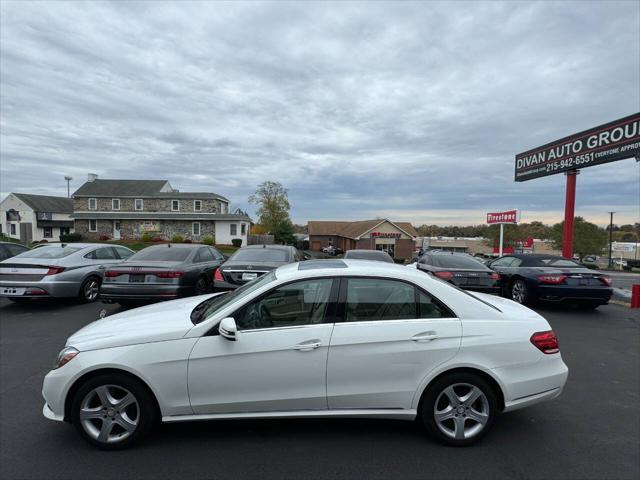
<point x="425" y="336"/>
<point x="308" y="345"/>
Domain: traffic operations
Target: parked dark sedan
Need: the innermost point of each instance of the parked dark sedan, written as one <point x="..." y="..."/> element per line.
<point x="528" y="278"/>
<point x="253" y="261"/>
<point x="10" y="249"/>
<point x="462" y="270"/>
<point x="161" y="272"/>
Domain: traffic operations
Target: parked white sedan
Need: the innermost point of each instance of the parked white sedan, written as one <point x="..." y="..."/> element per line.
<point x="321" y="338"/>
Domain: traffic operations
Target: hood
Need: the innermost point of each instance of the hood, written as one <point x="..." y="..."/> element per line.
<point x="153" y="323"/>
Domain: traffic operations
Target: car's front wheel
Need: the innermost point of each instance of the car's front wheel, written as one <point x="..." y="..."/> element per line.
<point x="459" y="409"/>
<point x="113" y="411"/>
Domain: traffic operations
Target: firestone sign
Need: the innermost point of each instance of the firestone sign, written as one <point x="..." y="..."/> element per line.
<point x="510" y="216"/>
<point x="603" y="144"/>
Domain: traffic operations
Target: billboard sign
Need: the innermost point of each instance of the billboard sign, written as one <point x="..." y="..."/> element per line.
<point x="603" y="144"/>
<point x="510" y="216"/>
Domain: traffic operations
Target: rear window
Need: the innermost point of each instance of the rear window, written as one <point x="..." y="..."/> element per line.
<point x="455" y="261"/>
<point x="49" y="252"/>
<point x="553" y="262"/>
<point x="360" y="255"/>
<point x="261" y="255"/>
<point x="162" y="254"/>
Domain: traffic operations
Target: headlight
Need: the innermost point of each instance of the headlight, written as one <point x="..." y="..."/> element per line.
<point x="65" y="356"/>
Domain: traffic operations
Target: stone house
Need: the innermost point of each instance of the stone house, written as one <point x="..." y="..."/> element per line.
<point x="127" y="209"/>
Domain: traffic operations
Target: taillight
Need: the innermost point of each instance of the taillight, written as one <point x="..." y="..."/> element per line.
<point x="494" y="276"/>
<point x="552" y="279"/>
<point x="55" y="270"/>
<point x="546" y="342"/>
<point x="217" y="276"/>
<point x="169" y="274"/>
<point x="444" y="275"/>
<point x="111" y="273"/>
<point x="605" y="280"/>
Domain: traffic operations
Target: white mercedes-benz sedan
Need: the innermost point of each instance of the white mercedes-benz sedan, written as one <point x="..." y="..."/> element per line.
<point x="319" y="338"/>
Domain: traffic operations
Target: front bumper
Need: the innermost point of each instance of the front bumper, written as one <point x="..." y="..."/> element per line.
<point x="115" y="293"/>
<point x="51" y="288"/>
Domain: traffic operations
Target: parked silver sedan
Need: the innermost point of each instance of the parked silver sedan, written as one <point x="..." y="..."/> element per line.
<point x="59" y="270"/>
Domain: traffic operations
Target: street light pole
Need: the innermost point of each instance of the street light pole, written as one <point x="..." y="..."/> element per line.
<point x="68" y="179"/>
<point x="611" y="239"/>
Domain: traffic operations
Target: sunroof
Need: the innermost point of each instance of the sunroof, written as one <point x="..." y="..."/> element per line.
<point x="320" y="264"/>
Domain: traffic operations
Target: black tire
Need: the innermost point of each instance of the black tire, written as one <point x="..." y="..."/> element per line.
<point x="146" y="415"/>
<point x="84" y="296"/>
<point x="487" y="405"/>
<point x="202" y="286"/>
<point x="20" y="301"/>
<point x="523" y="295"/>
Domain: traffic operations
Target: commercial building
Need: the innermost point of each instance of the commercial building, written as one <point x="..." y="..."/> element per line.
<point x="395" y="238"/>
<point x="127" y="209"/>
<point x="33" y="218"/>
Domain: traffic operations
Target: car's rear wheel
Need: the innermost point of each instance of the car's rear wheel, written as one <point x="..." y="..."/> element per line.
<point x="113" y="411"/>
<point x="202" y="286"/>
<point x="520" y="292"/>
<point x="459" y="409"/>
<point x="89" y="290"/>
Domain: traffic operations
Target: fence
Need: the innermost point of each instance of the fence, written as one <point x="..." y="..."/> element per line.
<point x="260" y="240"/>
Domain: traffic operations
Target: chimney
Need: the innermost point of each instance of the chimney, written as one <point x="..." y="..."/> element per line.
<point x="92" y="177"/>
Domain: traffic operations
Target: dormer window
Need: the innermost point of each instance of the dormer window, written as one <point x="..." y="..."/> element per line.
<point x="197" y="205"/>
<point x="93" y="204"/>
<point x="175" y="205"/>
<point x="115" y="204"/>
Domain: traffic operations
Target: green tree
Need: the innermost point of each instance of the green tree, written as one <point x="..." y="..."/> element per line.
<point x="588" y="238"/>
<point x="273" y="210"/>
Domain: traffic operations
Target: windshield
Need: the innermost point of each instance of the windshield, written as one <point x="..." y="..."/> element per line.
<point x="456" y="261"/>
<point x="161" y="254"/>
<point x="261" y="255"/>
<point x="49" y="252"/>
<point x="215" y="304"/>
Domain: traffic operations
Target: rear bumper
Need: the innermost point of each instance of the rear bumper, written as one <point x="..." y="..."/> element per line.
<point x="51" y="288"/>
<point x="570" y="294"/>
<point x="114" y="293"/>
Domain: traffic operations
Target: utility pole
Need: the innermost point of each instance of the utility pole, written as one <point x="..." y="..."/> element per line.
<point x="68" y="179"/>
<point x="611" y="239"/>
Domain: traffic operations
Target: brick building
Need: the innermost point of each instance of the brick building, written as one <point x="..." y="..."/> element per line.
<point x="398" y="239"/>
<point x="128" y="209"/>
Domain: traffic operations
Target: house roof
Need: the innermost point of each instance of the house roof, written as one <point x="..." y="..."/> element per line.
<point x="121" y="215"/>
<point x="354" y="229"/>
<point x="46" y="203"/>
<point x="136" y="188"/>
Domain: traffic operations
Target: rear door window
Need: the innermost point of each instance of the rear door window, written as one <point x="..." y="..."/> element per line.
<point x="106" y="253"/>
<point x="372" y="299"/>
<point x="204" y="255"/>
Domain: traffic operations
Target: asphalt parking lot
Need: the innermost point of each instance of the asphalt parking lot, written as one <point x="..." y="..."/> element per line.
<point x="591" y="431"/>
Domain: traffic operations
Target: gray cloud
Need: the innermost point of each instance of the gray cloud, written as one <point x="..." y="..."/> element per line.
<point x="411" y="110"/>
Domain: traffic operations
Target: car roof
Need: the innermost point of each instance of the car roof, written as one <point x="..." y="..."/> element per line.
<point x="177" y="245"/>
<point x="365" y="250"/>
<point x="346" y="267"/>
<point x="76" y="244"/>
<point x="13" y="243"/>
<point x="274" y="247"/>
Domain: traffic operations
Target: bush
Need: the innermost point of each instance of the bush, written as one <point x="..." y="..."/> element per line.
<point x="236" y="242"/>
<point x="208" y="240"/>
<point x="70" y="237"/>
<point x="146" y="237"/>
<point x="156" y="239"/>
<point x="188" y="240"/>
<point x="177" y="239"/>
<point x="104" y="237"/>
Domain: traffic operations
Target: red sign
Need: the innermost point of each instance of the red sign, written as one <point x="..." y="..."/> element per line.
<point x="510" y="216"/>
<point x="385" y="235"/>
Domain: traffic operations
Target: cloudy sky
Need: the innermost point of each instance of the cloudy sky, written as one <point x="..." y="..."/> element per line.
<point x="411" y="111"/>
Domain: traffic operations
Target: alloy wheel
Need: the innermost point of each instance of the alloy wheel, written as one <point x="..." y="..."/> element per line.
<point x="91" y="290"/>
<point x="519" y="291"/>
<point x="109" y="413"/>
<point x="461" y="411"/>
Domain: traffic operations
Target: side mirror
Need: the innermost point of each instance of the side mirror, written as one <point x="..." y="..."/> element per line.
<point x="307" y="256"/>
<point x="228" y="329"/>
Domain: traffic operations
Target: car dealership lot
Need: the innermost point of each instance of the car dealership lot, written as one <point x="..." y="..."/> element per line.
<point x="591" y="431"/>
